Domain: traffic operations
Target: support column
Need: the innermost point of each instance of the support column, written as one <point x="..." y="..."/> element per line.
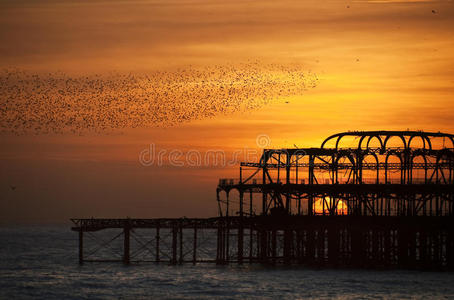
<point x="81" y="247"/>
<point x="194" y="250"/>
<point x="240" y="231"/>
<point x="220" y="259"/>
<point x="157" y="243"/>
<point x="450" y="249"/>
<point x="126" y="232"/>
<point x="274" y="245"/>
<point x="358" y="245"/>
<point x="227" y="233"/>
<point x="180" y="229"/>
<point x="333" y="244"/>
<point x="403" y="246"/>
<point x="311" y="182"/>
<point x="263" y="245"/>
<point x="288" y="243"/>
<point x="263" y="186"/>
<point x="250" y="229"/>
<point x="174" y="244"/>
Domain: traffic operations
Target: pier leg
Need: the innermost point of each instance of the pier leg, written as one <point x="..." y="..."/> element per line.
<point x="450" y="250"/>
<point x="126" y="258"/>
<point x="157" y="243"/>
<point x="288" y="243"/>
<point x="422" y="248"/>
<point x="310" y="245"/>
<point x="174" y="245"/>
<point x="227" y="242"/>
<point x="219" y="245"/>
<point x="403" y="246"/>
<point x="220" y="259"/>
<point x="194" y="251"/>
<point x="240" y="244"/>
<point x="387" y="247"/>
<point x="333" y="245"/>
<point x="251" y="242"/>
<point x="240" y="241"/>
<point x="273" y="245"/>
<point x="358" y="246"/>
<point x="299" y="248"/>
<point x="181" y="243"/>
<point x="81" y="247"/>
<point x="263" y="246"/>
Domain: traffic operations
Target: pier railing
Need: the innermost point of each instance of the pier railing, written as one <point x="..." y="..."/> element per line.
<point x="224" y="182"/>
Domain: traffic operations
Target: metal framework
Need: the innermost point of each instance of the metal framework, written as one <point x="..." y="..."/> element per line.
<point x="363" y="180"/>
<point x="172" y="241"/>
<point x="385" y="200"/>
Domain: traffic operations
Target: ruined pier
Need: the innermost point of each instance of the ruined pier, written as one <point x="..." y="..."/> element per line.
<point x="374" y="199"/>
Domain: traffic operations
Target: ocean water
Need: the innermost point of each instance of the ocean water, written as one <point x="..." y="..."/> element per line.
<point x="41" y="262"/>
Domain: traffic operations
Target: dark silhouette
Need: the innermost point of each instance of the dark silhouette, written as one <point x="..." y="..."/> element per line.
<point x="371" y="204"/>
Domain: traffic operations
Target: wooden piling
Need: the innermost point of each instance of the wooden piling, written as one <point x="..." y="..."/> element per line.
<point x="126" y="245"/>
<point x="194" y="247"/>
<point x="81" y="247"/>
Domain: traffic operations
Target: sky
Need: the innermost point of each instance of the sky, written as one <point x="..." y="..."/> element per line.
<point x="194" y="77"/>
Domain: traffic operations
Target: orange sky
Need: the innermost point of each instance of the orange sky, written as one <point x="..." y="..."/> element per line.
<point x="380" y="64"/>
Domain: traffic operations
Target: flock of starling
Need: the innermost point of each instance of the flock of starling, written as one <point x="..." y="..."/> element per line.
<point x="33" y="103"/>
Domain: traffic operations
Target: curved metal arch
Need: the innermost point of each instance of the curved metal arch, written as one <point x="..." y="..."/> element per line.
<point x="397" y="154"/>
<point x="348" y="155"/>
<point x="388" y="134"/>
<point x="424" y="140"/>
<point x="338" y="140"/>
<point x="361" y="141"/>
<point x="395" y="135"/>
<point x="332" y="137"/>
<point x="412" y="158"/>
<point x="386" y="163"/>
<point x="367" y="153"/>
<point x="417" y="155"/>
<point x="371" y="154"/>
<point x="371" y="137"/>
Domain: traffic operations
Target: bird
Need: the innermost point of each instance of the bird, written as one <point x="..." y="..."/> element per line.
<point x="12" y="187"/>
<point x="434" y="11"/>
<point x="58" y="103"/>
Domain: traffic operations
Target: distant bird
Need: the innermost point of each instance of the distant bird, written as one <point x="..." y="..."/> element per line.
<point x="434" y="11"/>
<point x="287" y="102"/>
<point x="12" y="187"/>
<point x="348" y="6"/>
<point x="357" y="59"/>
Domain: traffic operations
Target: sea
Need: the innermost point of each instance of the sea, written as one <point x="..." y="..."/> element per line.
<point x="41" y="262"/>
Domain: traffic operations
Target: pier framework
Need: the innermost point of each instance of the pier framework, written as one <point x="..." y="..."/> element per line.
<point x="362" y="199"/>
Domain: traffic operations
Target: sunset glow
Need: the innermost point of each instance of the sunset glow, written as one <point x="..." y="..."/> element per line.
<point x="327" y="207"/>
<point x="365" y="65"/>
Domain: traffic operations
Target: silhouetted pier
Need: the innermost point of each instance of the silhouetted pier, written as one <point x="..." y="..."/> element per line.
<point x="386" y="201"/>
